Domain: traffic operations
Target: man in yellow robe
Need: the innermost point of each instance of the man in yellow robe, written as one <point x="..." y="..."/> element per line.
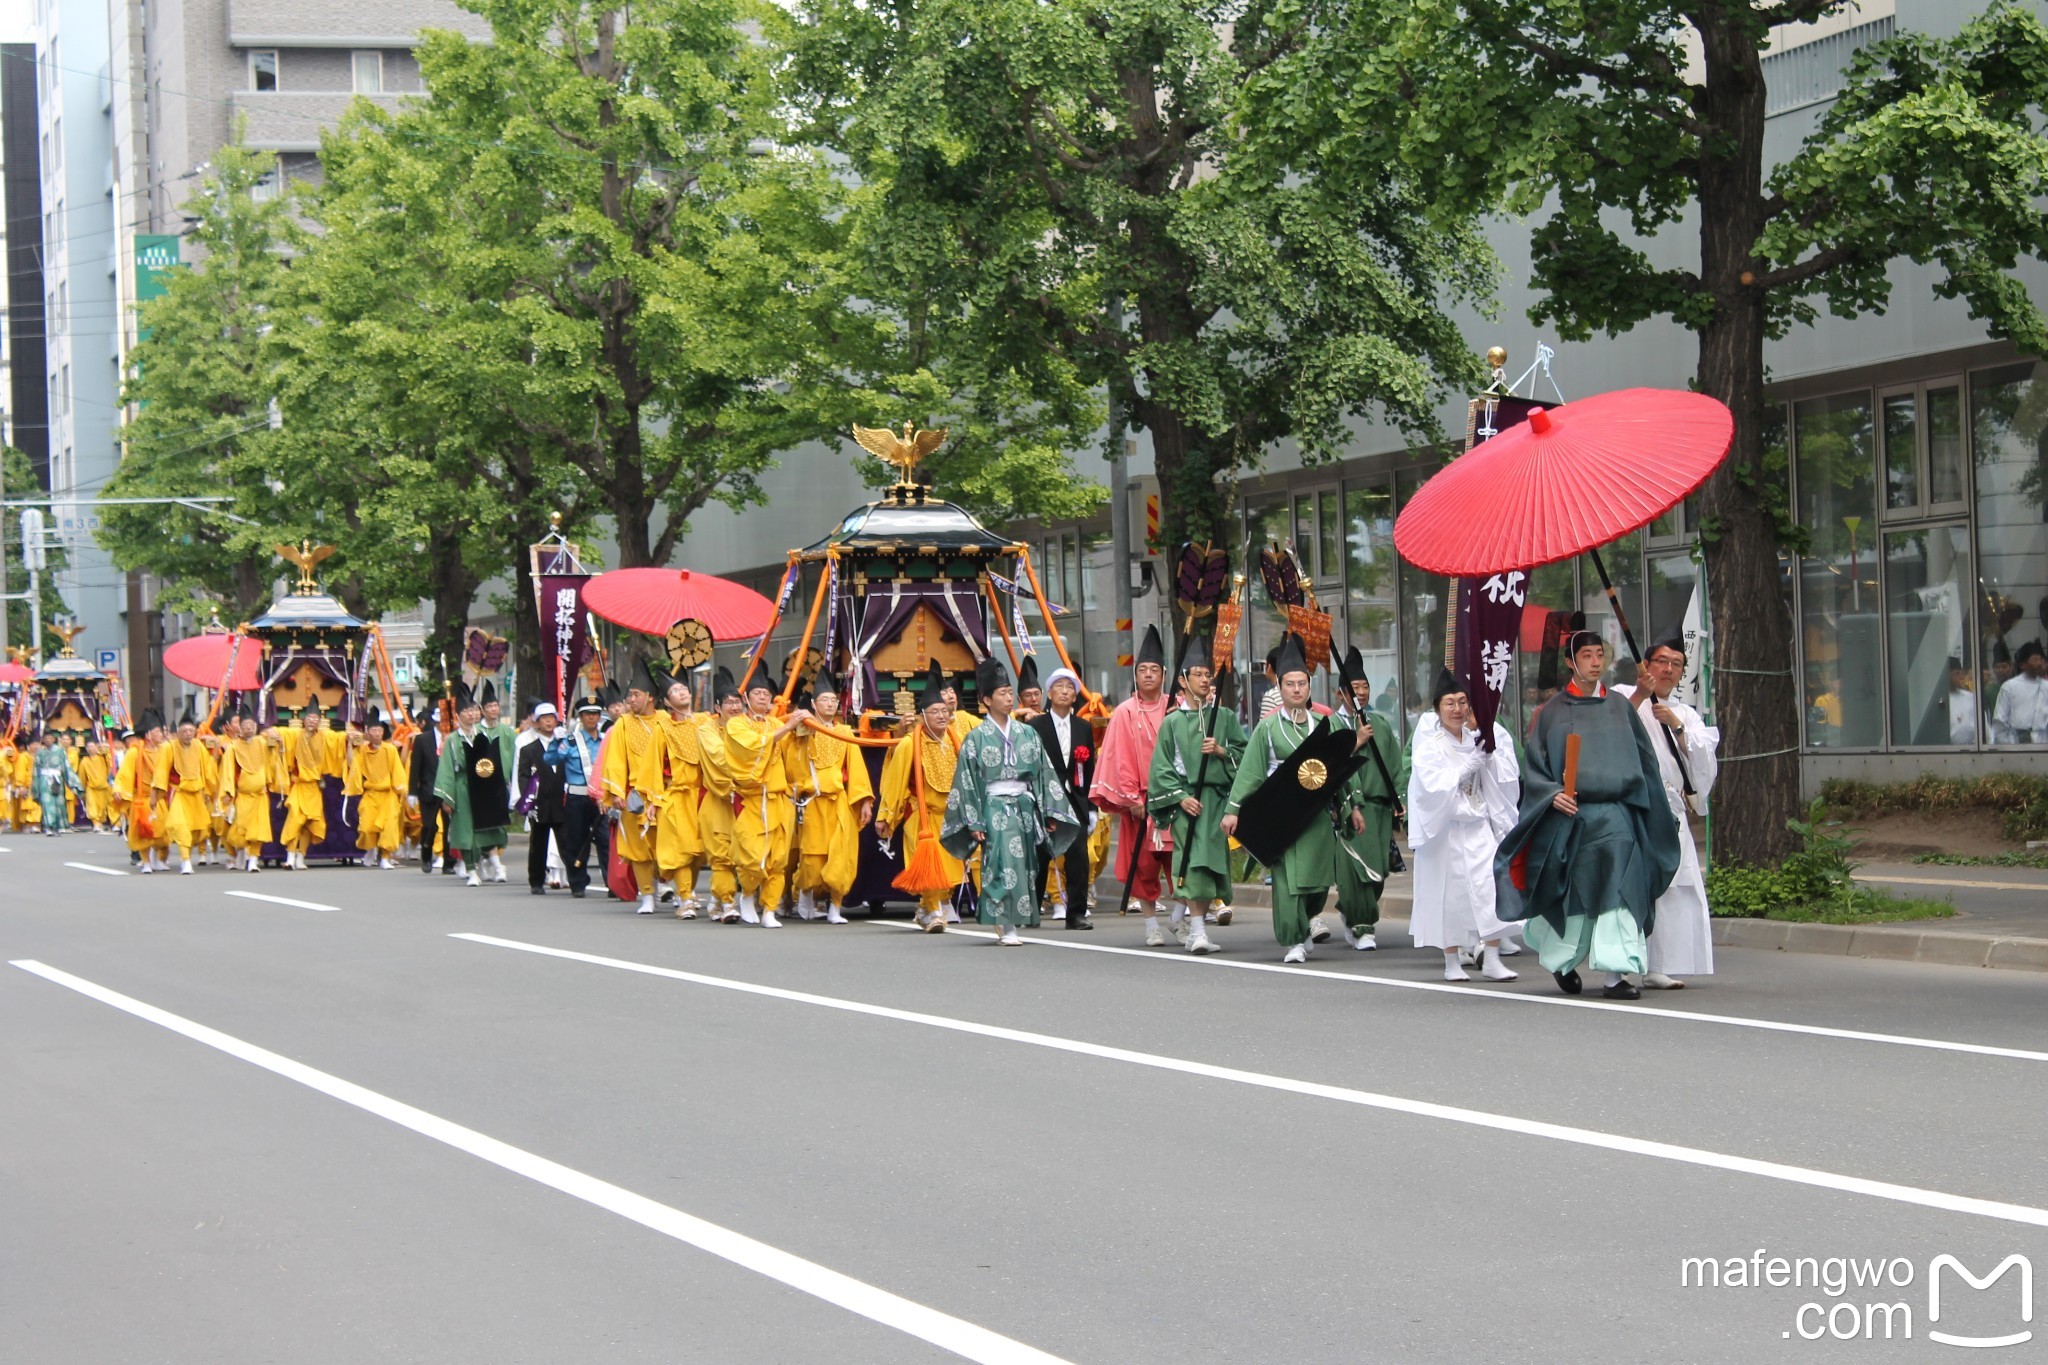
<point x="135" y="788"/>
<point x="10" y="795"/>
<point x="635" y="787"/>
<point x="185" y="775"/>
<point x="830" y="776"/>
<point x="765" y="817"/>
<point x="916" y="781"/>
<point x="715" y="812"/>
<point x="377" y="779"/>
<point x="312" y="754"/>
<point x="249" y="773"/>
<point x="93" y="773"/>
<point x="678" y="842"/>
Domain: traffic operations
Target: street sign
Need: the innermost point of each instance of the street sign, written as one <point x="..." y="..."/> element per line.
<point x="107" y="660"/>
<point x="74" y="520"/>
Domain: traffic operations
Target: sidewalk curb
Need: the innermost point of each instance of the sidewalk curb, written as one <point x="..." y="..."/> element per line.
<point x="1894" y="944"/>
<point x="1890" y="943"/>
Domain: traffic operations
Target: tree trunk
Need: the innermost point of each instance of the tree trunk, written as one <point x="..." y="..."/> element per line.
<point x="455" y="588"/>
<point x="1754" y="692"/>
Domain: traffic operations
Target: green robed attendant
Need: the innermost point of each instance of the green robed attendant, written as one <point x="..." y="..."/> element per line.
<point x="1308" y="869"/>
<point x="1585" y="869"/>
<point x="1187" y="792"/>
<point x="474" y="786"/>
<point x="1005" y="802"/>
<point x="1367" y="843"/>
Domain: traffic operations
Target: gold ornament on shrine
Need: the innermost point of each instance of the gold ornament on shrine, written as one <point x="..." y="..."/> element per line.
<point x="308" y="557"/>
<point x="905" y="451"/>
<point x="67" y="634"/>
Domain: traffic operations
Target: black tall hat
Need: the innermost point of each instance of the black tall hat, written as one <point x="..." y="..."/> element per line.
<point x="989" y="674"/>
<point x="609" y="694"/>
<point x="1292" y="658"/>
<point x="1152" y="650"/>
<point x="241" y="713"/>
<point x="1194" y="653"/>
<point x="763" y="678"/>
<point x="1447" y="682"/>
<point x="723" y="685"/>
<point x="1672" y="638"/>
<point x="1351" y="669"/>
<point x="823" y="682"/>
<point x="934" y="683"/>
<point x="641" y="678"/>
<point x="2001" y="653"/>
<point x="373" y="716"/>
<point x="1577" y="637"/>
<point x="464" y="698"/>
<point x="190" y="715"/>
<point x="489" y="693"/>
<point x="1027" y="674"/>
<point x="1273" y="657"/>
<point x="152" y="719"/>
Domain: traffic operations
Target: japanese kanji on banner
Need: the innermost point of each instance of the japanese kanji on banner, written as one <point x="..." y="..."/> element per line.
<point x="1489" y="623"/>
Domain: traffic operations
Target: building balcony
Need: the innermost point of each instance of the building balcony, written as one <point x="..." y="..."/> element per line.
<point x="363" y="24"/>
<point x="293" y="120"/>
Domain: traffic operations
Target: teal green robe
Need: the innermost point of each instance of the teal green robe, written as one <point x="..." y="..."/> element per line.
<point x="1200" y="857"/>
<point x="1362" y="870"/>
<point x="1006" y="828"/>
<point x="1307" y="870"/>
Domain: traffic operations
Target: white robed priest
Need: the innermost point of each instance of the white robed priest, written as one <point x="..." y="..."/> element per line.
<point x="1681" y="942"/>
<point x="1461" y="800"/>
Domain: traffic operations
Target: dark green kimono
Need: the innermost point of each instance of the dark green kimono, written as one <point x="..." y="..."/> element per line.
<point x="1362" y="866"/>
<point x="1176" y="766"/>
<point x="1588" y="883"/>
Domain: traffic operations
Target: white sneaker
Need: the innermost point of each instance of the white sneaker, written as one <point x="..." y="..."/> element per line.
<point x="185" y="868"/>
<point x="646" y="905"/>
<point x="472" y="880"/>
<point x="748" y="914"/>
<point x="1298" y="953"/>
<point x="1657" y="981"/>
<point x="1198" y="941"/>
<point x="1318" y="932"/>
<point x="1180" y="930"/>
<point x="1223" y="913"/>
<point x="1155" y="937"/>
<point x="832" y="915"/>
<point x="1366" y="943"/>
<point x="768" y="920"/>
<point x="1010" y="937"/>
<point x="1493" y="969"/>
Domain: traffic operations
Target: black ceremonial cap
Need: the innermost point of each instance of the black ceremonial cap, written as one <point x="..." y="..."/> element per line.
<point x="823" y="682"/>
<point x="1292" y="659"/>
<point x="989" y="674"/>
<point x="1152" y="650"/>
<point x="642" y="678"/>
<point x="1353" y="667"/>
<point x="489" y="694"/>
<point x="1194" y="654"/>
<point x="724" y="685"/>
<point x="1447" y="682"/>
<point x="1672" y="638"/>
<point x="191" y="715"/>
<point x="464" y="698"/>
<point x="934" y="683"/>
<point x="1027" y="673"/>
<point x="372" y="716"/>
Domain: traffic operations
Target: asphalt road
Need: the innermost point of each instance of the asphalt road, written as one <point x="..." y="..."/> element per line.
<point x="236" y="1130"/>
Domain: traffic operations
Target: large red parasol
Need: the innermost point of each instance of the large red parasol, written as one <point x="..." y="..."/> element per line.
<point x="652" y="600"/>
<point x="11" y="672"/>
<point x="201" y="659"/>
<point x="1568" y="480"/>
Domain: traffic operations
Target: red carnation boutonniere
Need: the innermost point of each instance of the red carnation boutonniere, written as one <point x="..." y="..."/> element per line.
<point x="1080" y="753"/>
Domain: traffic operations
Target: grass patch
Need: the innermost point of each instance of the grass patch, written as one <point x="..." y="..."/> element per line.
<point x="1813" y="886"/>
<point x="2019" y="799"/>
<point x="1864" y="905"/>
<point x="2011" y="858"/>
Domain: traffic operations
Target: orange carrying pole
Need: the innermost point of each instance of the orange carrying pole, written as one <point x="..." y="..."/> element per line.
<point x="995" y="607"/>
<point x="1094" y="710"/>
<point x="761" y="646"/>
<point x="810" y="625"/>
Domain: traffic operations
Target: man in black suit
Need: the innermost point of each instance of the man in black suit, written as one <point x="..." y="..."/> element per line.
<point x="549" y="791"/>
<point x="1070" y="743"/>
<point x="423" y="762"/>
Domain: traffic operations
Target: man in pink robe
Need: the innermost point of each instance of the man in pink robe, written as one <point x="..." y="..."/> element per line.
<point x="1123" y="770"/>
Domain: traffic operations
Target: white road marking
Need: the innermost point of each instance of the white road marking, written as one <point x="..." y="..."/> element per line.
<point x="103" y="871"/>
<point x="1476" y="992"/>
<point x="953" y="1334"/>
<point x="1558" y="1132"/>
<point x="281" y="900"/>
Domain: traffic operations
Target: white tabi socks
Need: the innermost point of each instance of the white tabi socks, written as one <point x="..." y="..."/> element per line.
<point x="806" y="906"/>
<point x="1492" y="968"/>
<point x="832" y="915"/>
<point x="748" y="914"/>
<point x="646" y="904"/>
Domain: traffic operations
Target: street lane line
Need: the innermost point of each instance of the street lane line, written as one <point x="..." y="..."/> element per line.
<point x="281" y="900"/>
<point x="103" y="871"/>
<point x="953" y="1334"/>
<point x="1478" y="993"/>
<point x="2035" y="887"/>
<point x="1558" y="1132"/>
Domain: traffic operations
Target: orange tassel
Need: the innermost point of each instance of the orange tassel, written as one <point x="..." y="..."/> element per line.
<point x="926" y="870"/>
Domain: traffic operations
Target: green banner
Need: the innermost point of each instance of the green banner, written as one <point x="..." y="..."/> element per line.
<point x="155" y="255"/>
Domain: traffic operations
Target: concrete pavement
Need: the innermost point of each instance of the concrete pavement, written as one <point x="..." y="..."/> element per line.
<point x="1081" y="1148"/>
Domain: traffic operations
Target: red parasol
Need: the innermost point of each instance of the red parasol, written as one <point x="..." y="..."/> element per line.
<point x="1568" y="480"/>
<point x="11" y="672"/>
<point x="201" y="659"/>
<point x="652" y="600"/>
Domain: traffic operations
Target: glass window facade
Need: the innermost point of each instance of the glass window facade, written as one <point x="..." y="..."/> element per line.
<point x="1836" y="501"/>
<point x="2009" y="457"/>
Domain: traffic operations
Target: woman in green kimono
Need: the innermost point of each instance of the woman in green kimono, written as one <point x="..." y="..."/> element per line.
<point x="1005" y="801"/>
<point x="51" y="777"/>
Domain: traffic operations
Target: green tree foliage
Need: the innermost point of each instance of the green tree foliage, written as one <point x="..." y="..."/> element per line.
<point x="1060" y="195"/>
<point x="1651" y="114"/>
<point x="21" y="482"/>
